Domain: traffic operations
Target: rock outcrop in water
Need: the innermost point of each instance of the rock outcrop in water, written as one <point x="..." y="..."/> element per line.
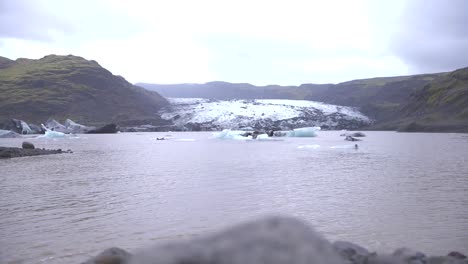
<point x="6" y="152"/>
<point x="275" y="240"/>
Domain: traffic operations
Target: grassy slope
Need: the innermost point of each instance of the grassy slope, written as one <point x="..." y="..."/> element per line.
<point x="70" y="87"/>
<point x="442" y="105"/>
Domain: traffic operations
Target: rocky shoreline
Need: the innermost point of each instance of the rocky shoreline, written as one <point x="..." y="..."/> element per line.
<point x="271" y="240"/>
<point x="8" y="152"/>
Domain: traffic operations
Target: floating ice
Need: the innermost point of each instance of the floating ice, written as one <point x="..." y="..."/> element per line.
<point x="308" y="147"/>
<point x="51" y="134"/>
<point x="303" y="132"/>
<point x="231" y="134"/>
<point x="265" y="137"/>
<point x="9" y="134"/>
<point x="343" y="147"/>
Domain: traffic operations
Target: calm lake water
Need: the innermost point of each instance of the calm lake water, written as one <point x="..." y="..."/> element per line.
<point x="129" y="190"/>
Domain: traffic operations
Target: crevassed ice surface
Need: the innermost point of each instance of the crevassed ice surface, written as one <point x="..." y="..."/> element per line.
<point x="226" y="113"/>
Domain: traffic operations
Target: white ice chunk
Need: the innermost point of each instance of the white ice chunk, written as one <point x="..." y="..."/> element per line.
<point x="265" y="137"/>
<point x="51" y="134"/>
<point x="303" y="132"/>
<point x="25" y="128"/>
<point x="231" y="134"/>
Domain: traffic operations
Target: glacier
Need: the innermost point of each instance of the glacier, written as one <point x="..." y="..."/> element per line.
<point x="199" y="114"/>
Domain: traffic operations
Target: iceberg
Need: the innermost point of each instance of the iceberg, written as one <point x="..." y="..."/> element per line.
<point x="303" y="132"/>
<point x="25" y="129"/>
<point x="238" y="135"/>
<point x="229" y="134"/>
<point x="265" y="137"/>
<point x="8" y="134"/>
<point x="51" y="134"/>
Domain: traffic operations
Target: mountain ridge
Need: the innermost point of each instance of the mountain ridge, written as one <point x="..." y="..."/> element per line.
<point x="71" y="87"/>
<point x="390" y="101"/>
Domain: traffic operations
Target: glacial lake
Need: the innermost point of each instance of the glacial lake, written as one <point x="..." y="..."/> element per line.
<point x="130" y="190"/>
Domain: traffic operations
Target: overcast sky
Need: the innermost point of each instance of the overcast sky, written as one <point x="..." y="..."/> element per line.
<point x="261" y="42"/>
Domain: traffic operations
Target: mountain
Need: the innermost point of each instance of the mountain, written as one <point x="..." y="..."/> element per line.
<point x="226" y="91"/>
<point x="426" y="102"/>
<point x="441" y="105"/>
<point x="211" y="115"/>
<point x="71" y="87"/>
<point x="378" y="98"/>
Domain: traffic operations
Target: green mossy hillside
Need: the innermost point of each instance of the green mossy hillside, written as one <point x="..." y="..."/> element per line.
<point x="71" y="87"/>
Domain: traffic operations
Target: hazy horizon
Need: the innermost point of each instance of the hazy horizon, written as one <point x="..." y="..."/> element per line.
<point x="256" y="42"/>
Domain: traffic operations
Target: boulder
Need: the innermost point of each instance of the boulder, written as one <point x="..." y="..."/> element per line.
<point x="350" y="138"/>
<point x="457" y="255"/>
<point x="272" y="240"/>
<point x="111" y="256"/>
<point x="445" y="260"/>
<point x="28" y="145"/>
<point x="410" y="256"/>
<point x="107" y="129"/>
<point x="351" y="252"/>
<point x="357" y="134"/>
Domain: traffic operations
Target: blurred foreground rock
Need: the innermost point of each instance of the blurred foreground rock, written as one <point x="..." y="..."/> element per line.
<point x="275" y="240"/>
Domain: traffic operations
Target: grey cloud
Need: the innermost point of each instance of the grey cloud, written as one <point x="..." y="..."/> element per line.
<point x="28" y="20"/>
<point x="433" y="35"/>
<point x="82" y="20"/>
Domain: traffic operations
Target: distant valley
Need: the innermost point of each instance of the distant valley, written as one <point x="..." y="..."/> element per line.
<point x="427" y="102"/>
<point x="71" y="87"/>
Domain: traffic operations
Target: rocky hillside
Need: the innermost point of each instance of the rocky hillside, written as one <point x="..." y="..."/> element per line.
<point x="441" y="105"/>
<point x="71" y="87"/>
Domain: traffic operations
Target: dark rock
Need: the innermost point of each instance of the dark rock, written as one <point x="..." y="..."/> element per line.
<point x="107" y="129"/>
<point x="445" y="260"/>
<point x="410" y="256"/>
<point x="383" y="259"/>
<point x="457" y="255"/>
<point x="28" y="145"/>
<point x="272" y="240"/>
<point x="351" y="252"/>
<point x="350" y="138"/>
<point x="6" y="152"/>
<point x="111" y="256"/>
<point x="357" y="134"/>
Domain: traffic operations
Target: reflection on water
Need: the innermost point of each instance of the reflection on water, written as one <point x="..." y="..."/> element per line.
<point x="130" y="190"/>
